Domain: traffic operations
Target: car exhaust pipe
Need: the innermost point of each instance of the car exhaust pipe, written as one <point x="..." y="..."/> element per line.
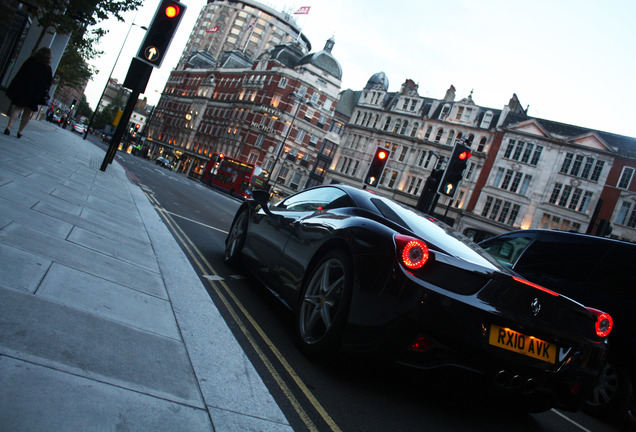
<point x="529" y="386"/>
<point x="502" y="378"/>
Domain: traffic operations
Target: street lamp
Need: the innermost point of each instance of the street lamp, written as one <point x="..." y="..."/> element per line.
<point x="90" y="123"/>
<point x="295" y="96"/>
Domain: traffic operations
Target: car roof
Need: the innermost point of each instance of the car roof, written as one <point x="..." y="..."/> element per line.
<point x="564" y="235"/>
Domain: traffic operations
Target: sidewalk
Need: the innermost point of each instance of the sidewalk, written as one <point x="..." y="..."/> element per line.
<point x="104" y="325"/>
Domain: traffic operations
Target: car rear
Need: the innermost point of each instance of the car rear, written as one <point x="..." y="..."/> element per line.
<point x="526" y="341"/>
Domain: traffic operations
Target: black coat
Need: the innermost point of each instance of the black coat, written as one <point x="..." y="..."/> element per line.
<point x="30" y="87"/>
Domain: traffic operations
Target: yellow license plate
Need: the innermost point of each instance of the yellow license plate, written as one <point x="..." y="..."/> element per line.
<point x="523" y="344"/>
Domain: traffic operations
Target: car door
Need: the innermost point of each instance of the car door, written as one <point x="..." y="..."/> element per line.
<point x="271" y="230"/>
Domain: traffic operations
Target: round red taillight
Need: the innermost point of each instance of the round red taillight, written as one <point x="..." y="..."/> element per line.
<point x="412" y="252"/>
<point x="604" y="323"/>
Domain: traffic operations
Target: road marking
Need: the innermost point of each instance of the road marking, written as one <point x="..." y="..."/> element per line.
<point x="205" y="267"/>
<point x="570" y="420"/>
<point x="161" y="209"/>
<point x="213" y="277"/>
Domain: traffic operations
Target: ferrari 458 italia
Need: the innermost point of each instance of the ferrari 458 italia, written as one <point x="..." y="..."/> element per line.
<point x="364" y="273"/>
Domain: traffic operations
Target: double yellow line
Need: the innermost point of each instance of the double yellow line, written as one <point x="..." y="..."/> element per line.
<point x="240" y="315"/>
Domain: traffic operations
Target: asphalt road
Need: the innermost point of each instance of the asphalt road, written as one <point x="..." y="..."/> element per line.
<point x="349" y="395"/>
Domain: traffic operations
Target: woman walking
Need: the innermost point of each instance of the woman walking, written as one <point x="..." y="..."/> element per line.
<point x="29" y="88"/>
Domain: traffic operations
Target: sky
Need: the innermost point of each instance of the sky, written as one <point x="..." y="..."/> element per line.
<point x="568" y="61"/>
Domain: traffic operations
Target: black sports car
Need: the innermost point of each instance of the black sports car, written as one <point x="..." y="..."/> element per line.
<point x="364" y="273"/>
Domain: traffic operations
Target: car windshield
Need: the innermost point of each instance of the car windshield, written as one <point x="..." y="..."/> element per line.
<point x="440" y="234"/>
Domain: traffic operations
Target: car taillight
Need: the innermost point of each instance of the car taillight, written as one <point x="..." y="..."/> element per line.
<point x="412" y="252"/>
<point x="604" y="322"/>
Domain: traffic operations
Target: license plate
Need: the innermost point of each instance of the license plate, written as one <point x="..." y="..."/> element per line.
<point x="523" y="344"/>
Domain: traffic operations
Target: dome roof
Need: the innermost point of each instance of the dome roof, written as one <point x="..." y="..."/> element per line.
<point x="324" y="60"/>
<point x="378" y="81"/>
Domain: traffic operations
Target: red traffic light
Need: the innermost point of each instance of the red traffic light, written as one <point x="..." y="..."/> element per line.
<point x="382" y="155"/>
<point x="464" y="155"/>
<point x="172" y="11"/>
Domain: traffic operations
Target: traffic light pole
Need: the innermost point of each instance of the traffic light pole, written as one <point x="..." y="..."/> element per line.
<point x="121" y="128"/>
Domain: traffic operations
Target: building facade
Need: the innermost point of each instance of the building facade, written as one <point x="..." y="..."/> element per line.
<point x="524" y="172"/>
<point x="244" y="26"/>
<point x="269" y="103"/>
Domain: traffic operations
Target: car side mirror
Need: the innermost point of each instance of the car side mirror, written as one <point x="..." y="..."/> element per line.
<point x="261" y="196"/>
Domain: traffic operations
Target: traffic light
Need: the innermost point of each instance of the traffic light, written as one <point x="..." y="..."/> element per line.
<point x="454" y="169"/>
<point x="376" y="168"/>
<point x="73" y="104"/>
<point x="161" y="31"/>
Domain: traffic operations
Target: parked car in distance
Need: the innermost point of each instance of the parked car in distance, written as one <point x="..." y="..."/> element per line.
<point x="595" y="271"/>
<point x="162" y="161"/>
<point x="363" y="273"/>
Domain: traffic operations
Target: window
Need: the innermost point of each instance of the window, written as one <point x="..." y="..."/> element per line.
<point x="523" y="152"/>
<point x="283" y="82"/>
<point x="316" y="199"/>
<point x="501" y="211"/>
<point x="300" y="135"/>
<point x="428" y="132"/>
<point x="485" y="123"/>
<point x="482" y="144"/>
<point x="557" y="223"/>
<point x="627" y="215"/>
<point x="626" y="178"/>
<point x="387" y="124"/>
<point x="396" y="127"/>
<point x="295" y="181"/>
<point x="416" y="126"/>
<point x="449" y="139"/>
<point x="581" y="166"/>
<point x="438" y="137"/>
<point x="460" y="111"/>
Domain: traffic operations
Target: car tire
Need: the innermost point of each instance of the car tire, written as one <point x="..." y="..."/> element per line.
<point x="236" y="239"/>
<point x="324" y="305"/>
<point x="611" y="394"/>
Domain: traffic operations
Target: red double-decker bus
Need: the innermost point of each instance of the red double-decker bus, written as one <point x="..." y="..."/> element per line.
<point x="233" y="176"/>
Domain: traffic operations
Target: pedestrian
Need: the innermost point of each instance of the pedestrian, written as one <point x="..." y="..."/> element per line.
<point x="29" y="88"/>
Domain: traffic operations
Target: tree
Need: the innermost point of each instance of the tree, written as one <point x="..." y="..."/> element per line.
<point x="76" y="16"/>
<point x="83" y="109"/>
<point x="107" y="115"/>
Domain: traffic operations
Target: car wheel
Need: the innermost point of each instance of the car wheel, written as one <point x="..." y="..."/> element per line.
<point x="324" y="304"/>
<point x="236" y="239"/>
<point x="611" y="394"/>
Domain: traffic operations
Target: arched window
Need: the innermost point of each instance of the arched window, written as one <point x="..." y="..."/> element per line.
<point x="396" y="127"/>
<point x="428" y="132"/>
<point x="451" y="136"/>
<point x="416" y="126"/>
<point x="387" y="124"/>
<point x="375" y="121"/>
<point x="438" y="137"/>
<point x="471" y="137"/>
<point x="482" y="144"/>
<point x="404" y="126"/>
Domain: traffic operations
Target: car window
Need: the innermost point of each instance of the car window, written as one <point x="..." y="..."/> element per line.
<point x="566" y="259"/>
<point x="507" y="249"/>
<point x="324" y="198"/>
<point x="616" y="272"/>
<point x="440" y="234"/>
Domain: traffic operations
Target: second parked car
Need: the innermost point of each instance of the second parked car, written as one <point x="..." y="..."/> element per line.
<point x="595" y="271"/>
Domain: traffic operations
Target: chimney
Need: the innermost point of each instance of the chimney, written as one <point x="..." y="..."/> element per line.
<point x="450" y="94"/>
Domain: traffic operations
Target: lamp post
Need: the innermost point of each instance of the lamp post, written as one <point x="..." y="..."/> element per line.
<point x="90" y="123"/>
<point x="293" y="96"/>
